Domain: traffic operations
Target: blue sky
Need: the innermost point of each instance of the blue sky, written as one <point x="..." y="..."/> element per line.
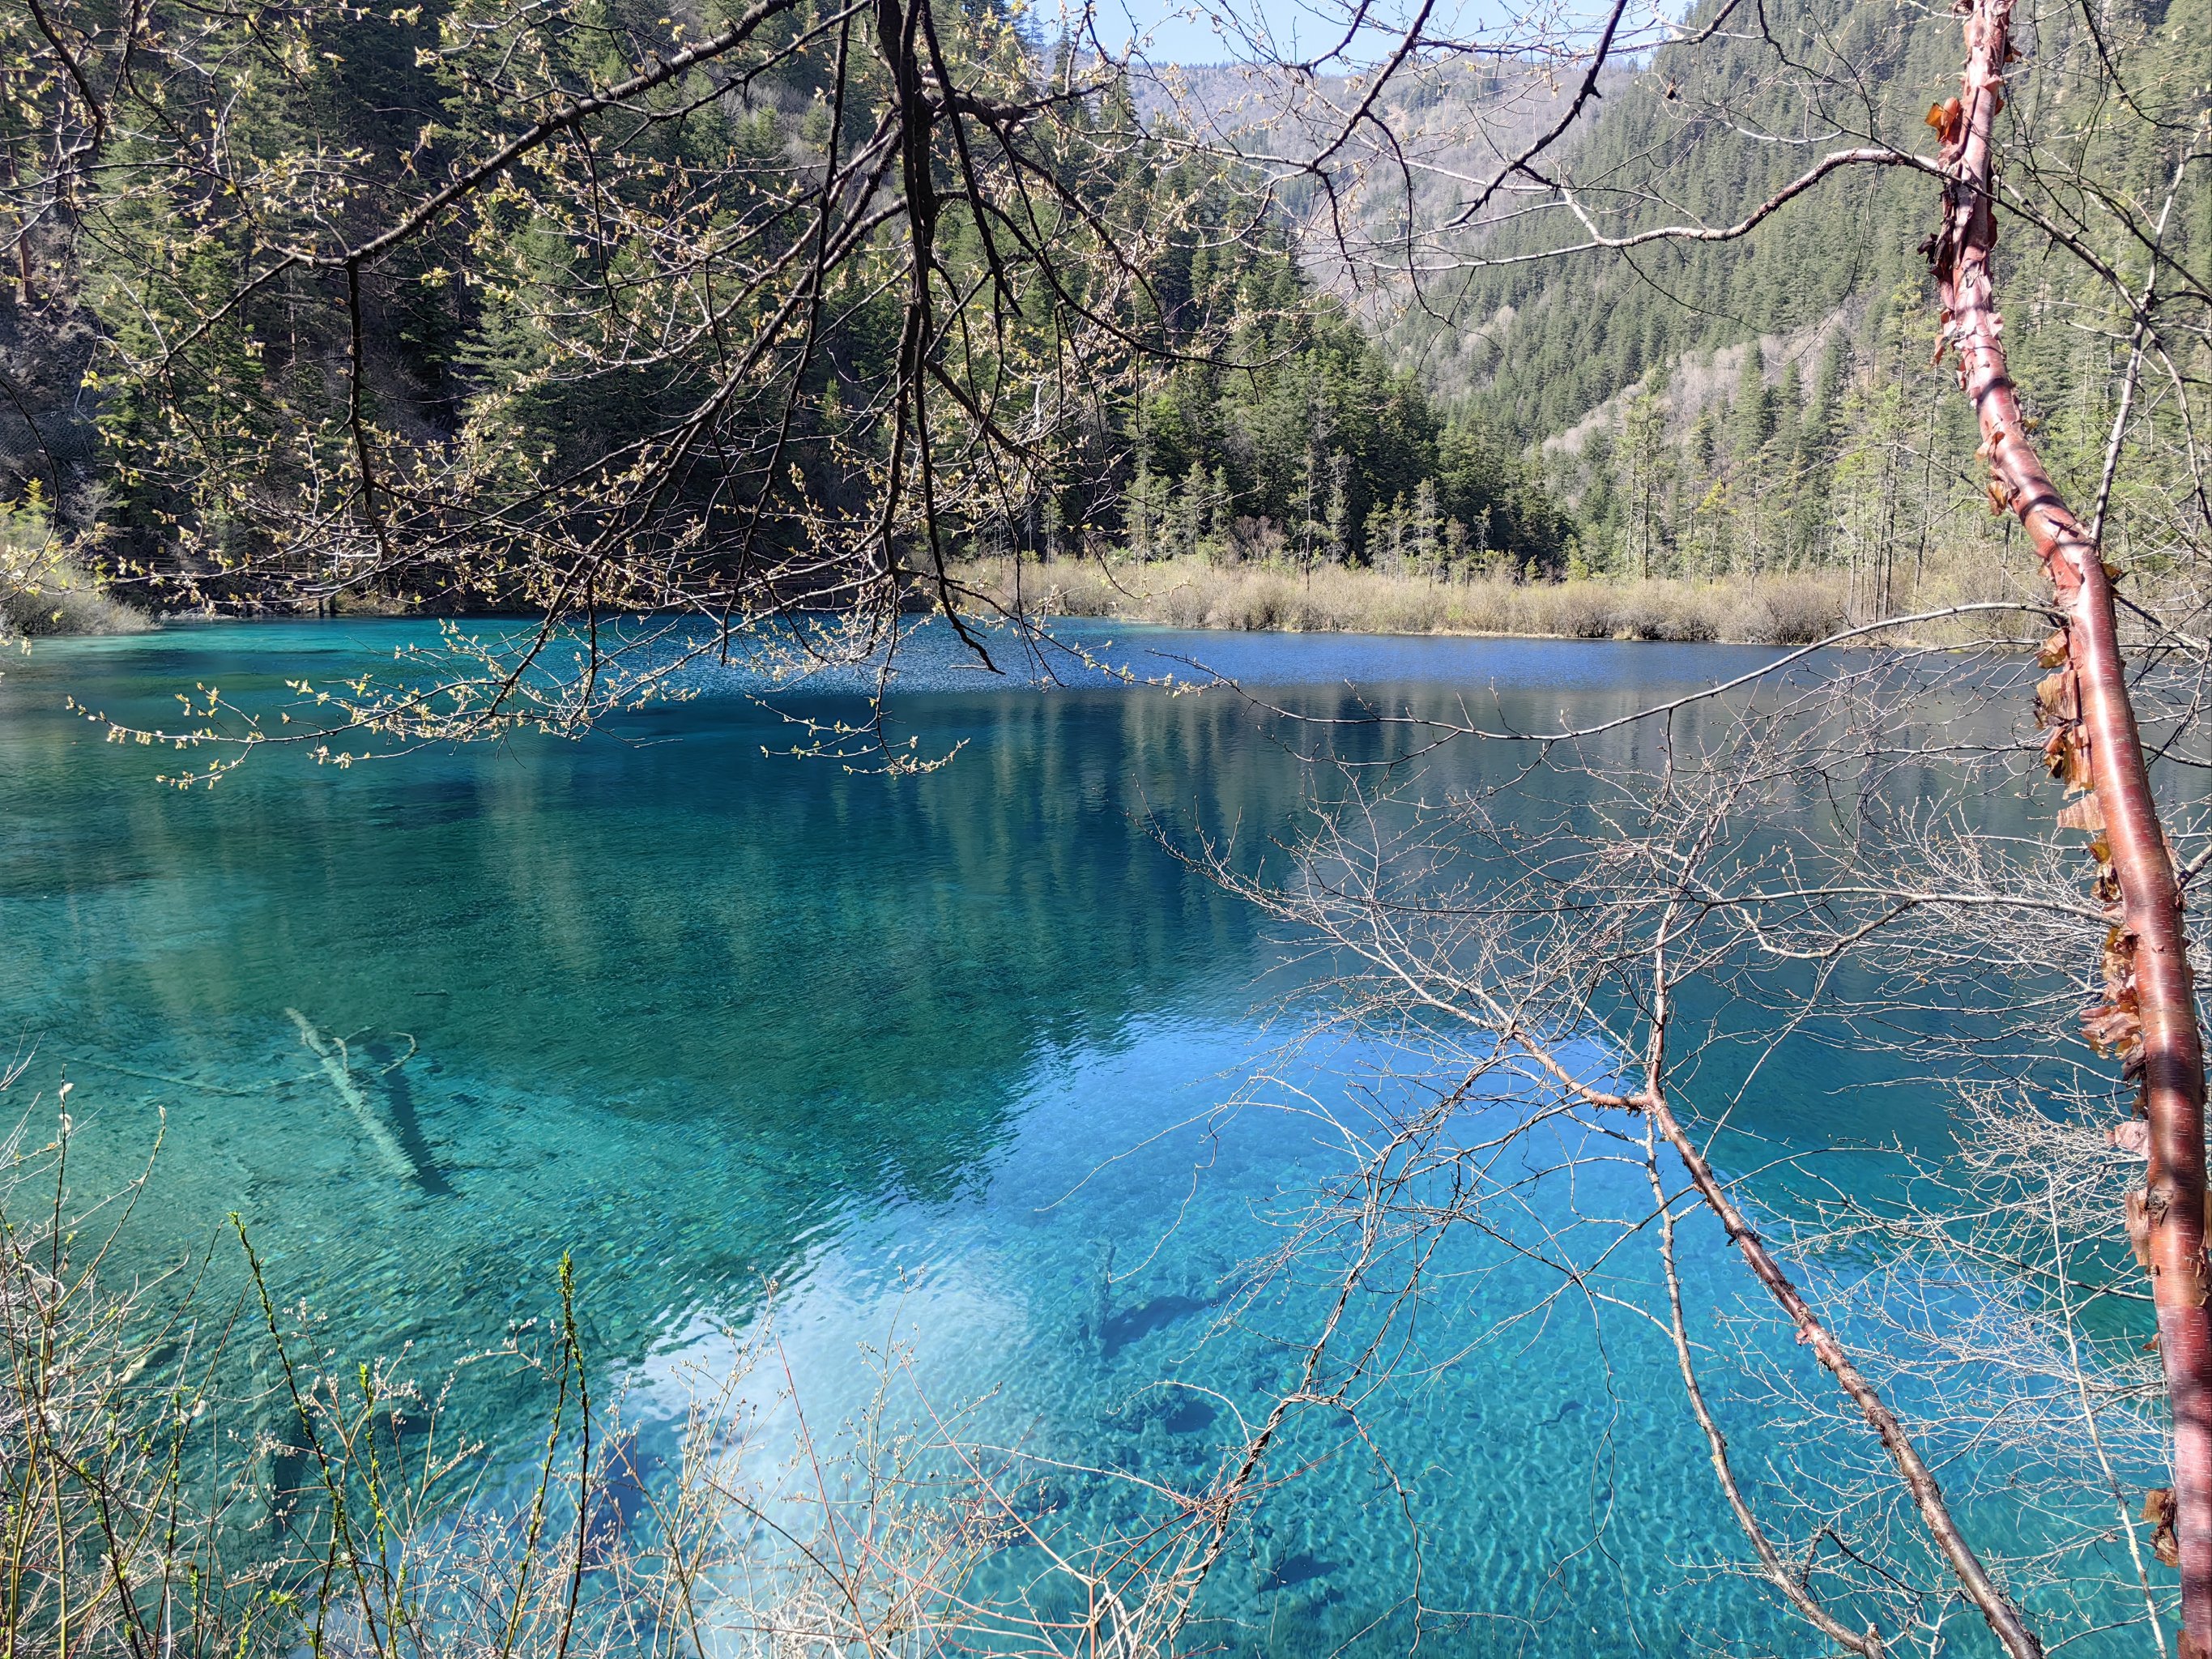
<point x="1189" y="33"/>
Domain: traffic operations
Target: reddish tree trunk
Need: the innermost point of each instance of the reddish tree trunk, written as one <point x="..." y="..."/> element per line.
<point x="2148" y="1016"/>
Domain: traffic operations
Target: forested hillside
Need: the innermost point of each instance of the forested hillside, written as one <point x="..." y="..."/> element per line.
<point x="622" y="339"/>
<point x="1724" y="405"/>
<point x="323" y="338"/>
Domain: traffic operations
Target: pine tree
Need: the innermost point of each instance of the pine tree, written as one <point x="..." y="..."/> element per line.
<point x="1137" y="514"/>
<point x="1755" y="407"/>
<point x="1193" y="514"/>
<point x="1340" y="508"/>
<point x="1788" y="410"/>
<point x="1645" y="472"/>
<point x="1424" y="532"/>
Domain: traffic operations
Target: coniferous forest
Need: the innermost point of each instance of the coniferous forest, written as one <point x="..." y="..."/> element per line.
<point x="191" y="396"/>
<point x="195" y="396"/>
<point x="1727" y="407"/>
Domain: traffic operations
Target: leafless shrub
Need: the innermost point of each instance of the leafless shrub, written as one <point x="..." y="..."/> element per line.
<point x="1781" y="608"/>
<point x="1791" y="611"/>
<point x="1555" y="981"/>
<point x="149" y="1509"/>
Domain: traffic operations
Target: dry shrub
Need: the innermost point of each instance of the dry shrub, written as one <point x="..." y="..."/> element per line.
<point x="1788" y="608"/>
<point x="1584" y="611"/>
<point x="1259" y="605"/>
<point x="145" y="1514"/>
<point x="1182" y="605"/>
<point x="1792" y="609"/>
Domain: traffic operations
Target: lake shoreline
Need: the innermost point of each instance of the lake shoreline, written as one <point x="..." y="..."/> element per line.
<point x="1780" y="608"/>
<point x="1791" y="608"/>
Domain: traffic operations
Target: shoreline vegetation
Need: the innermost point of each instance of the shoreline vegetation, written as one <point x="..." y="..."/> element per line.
<point x="51" y="586"/>
<point x="46" y="591"/>
<point x="1769" y="608"/>
<point x="45" y="587"/>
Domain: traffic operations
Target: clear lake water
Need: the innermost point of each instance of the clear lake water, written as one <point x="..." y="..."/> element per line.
<point x="925" y="1063"/>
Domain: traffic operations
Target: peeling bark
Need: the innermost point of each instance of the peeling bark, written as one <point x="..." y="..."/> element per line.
<point x="2146" y="1017"/>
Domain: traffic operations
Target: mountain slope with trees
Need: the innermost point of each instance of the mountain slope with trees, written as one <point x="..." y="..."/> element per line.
<point x="617" y="341"/>
<point x="1178" y="359"/>
<point x="1717" y="407"/>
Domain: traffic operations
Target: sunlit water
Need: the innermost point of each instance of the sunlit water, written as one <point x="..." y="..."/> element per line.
<point x="917" y="1061"/>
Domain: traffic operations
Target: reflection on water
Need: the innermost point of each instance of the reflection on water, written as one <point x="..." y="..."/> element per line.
<point x="710" y="1020"/>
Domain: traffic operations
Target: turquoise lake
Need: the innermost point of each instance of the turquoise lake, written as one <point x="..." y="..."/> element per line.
<point x="925" y="1062"/>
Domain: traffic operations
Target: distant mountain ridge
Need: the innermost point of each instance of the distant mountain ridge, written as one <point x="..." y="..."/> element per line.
<point x="1680" y="450"/>
<point x="1705" y="133"/>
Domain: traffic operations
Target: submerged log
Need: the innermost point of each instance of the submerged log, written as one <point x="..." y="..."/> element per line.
<point x="337" y="1066"/>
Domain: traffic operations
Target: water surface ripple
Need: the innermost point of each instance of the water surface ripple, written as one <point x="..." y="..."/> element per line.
<point x="714" y="1020"/>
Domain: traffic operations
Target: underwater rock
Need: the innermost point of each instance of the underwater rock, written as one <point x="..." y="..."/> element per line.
<point x="1193" y="1414"/>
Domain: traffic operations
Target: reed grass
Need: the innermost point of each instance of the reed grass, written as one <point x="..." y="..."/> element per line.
<point x="1781" y="608"/>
